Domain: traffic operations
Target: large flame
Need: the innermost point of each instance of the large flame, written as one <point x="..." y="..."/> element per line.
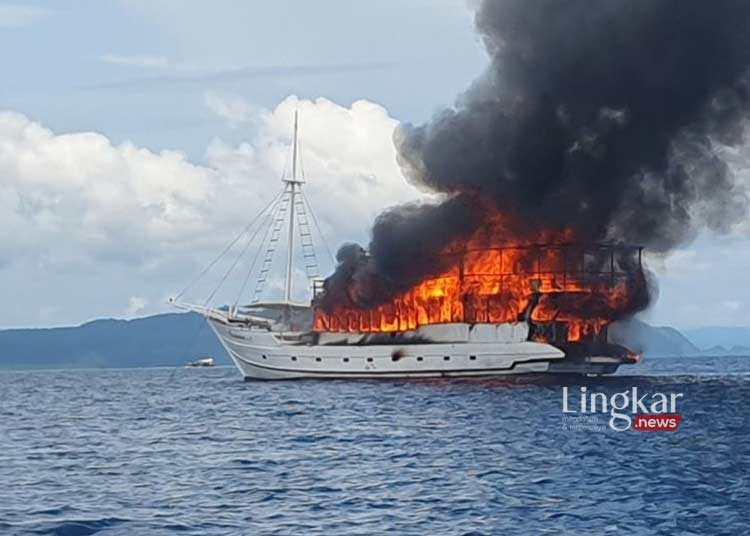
<point x="546" y="279"/>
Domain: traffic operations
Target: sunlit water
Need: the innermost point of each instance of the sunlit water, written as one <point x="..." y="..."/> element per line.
<point x="198" y="451"/>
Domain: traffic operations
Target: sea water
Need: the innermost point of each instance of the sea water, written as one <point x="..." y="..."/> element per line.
<point x="200" y="452"/>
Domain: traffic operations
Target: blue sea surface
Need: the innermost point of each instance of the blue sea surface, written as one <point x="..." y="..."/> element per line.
<point x="200" y="452"/>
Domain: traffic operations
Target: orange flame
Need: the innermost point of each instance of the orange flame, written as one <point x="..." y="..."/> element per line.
<point x="494" y="281"/>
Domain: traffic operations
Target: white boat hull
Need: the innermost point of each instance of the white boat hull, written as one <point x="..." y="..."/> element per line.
<point x="261" y="355"/>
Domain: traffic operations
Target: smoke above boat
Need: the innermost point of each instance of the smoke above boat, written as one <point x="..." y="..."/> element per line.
<point x="595" y="122"/>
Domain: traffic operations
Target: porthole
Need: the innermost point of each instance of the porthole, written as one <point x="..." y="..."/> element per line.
<point x="472" y="358"/>
<point x="346" y="360"/>
<point x="369" y="360"/>
<point x="318" y="359"/>
<point x="420" y="358"/>
<point x="264" y="356"/>
<point x="446" y="358"/>
<point x="294" y="358"/>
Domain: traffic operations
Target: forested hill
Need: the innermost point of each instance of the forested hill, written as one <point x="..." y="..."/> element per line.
<point x="174" y="339"/>
<point x="160" y="340"/>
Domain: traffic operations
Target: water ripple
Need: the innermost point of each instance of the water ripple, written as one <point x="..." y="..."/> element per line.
<point x="195" y="452"/>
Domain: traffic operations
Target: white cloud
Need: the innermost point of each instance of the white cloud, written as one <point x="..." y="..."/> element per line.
<point x="18" y="16"/>
<point x="732" y="305"/>
<point x="101" y="199"/>
<point x="78" y="207"/>
<point x="92" y="228"/>
<point x="679" y="260"/>
<point x="348" y="157"/>
<point x="233" y="109"/>
<point x="705" y="285"/>
<point x="136" y="305"/>
<point x="138" y="60"/>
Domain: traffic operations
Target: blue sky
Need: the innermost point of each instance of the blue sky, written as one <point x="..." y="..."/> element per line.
<point x="109" y="66"/>
<point x="135" y="135"/>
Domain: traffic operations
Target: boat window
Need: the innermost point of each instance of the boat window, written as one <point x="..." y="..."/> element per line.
<point x="369" y="360"/>
<point x="420" y="358"/>
<point x="264" y="356"/>
<point x="317" y="359"/>
<point x="446" y="358"/>
<point x="473" y="357"/>
<point x="346" y="360"/>
<point x="294" y="358"/>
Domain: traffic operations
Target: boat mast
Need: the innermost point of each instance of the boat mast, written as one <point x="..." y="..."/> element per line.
<point x="292" y="185"/>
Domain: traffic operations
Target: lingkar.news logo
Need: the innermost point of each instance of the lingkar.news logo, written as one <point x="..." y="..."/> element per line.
<point x="650" y="412"/>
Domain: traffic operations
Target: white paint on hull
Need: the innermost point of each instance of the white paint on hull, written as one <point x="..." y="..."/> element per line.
<point x="260" y="354"/>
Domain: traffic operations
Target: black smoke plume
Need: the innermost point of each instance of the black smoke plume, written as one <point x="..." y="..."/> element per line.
<point x="605" y="116"/>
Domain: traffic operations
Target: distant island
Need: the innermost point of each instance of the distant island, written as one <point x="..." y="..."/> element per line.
<point x="721" y="340"/>
<point x="176" y="338"/>
<point x="170" y="339"/>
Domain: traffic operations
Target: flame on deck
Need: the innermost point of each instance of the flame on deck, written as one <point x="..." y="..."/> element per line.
<point x="578" y="290"/>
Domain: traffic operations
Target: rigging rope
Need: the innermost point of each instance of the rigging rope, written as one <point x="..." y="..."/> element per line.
<point x="231" y="268"/>
<point x="234" y="264"/>
<point x="274" y="215"/>
<point x="317" y="226"/>
<point x="301" y="163"/>
<point x="309" y="255"/>
<point x="306" y="205"/>
<point x="276" y="206"/>
<point x="229" y="247"/>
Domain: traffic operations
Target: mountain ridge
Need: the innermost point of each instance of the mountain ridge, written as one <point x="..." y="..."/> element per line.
<point x="169" y="339"/>
<point x="173" y="339"/>
<point x="728" y="337"/>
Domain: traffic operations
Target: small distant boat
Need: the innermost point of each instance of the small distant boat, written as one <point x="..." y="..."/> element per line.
<point x="205" y="362"/>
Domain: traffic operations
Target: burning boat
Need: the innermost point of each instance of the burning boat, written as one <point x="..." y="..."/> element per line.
<point x="491" y="307"/>
<point x="569" y="146"/>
